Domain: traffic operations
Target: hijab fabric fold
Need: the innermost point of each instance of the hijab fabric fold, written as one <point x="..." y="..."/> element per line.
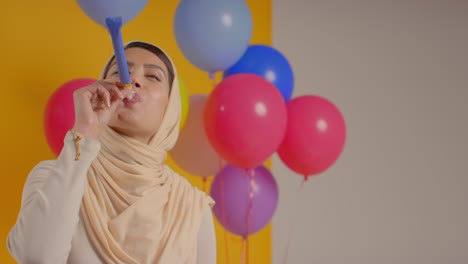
<point x="135" y="209"/>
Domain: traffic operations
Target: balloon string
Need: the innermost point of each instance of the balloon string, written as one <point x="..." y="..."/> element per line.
<point x="242" y="252"/>
<point x="249" y="214"/>
<point x="292" y="223"/>
<point x="220" y="163"/>
<point x="247" y="250"/>
<point x="204" y="179"/>
<point x="226" y="245"/>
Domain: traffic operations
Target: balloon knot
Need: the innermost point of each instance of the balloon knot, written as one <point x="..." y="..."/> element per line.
<point x="211" y="76"/>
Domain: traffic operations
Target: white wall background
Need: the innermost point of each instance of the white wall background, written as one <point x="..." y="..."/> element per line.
<point x="398" y="70"/>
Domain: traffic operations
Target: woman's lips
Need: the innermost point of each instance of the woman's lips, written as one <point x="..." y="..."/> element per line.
<point x="132" y="99"/>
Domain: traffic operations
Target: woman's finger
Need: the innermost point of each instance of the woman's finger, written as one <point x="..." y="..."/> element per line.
<point x="117" y="92"/>
<point x="104" y="94"/>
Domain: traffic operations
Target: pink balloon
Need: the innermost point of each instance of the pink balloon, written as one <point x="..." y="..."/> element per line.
<point x="245" y="119"/>
<point x="59" y="114"/>
<point x="193" y="152"/>
<point x="315" y="136"/>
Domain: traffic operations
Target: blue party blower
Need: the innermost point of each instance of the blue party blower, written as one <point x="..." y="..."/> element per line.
<point x="112" y="14"/>
<point x="114" y="25"/>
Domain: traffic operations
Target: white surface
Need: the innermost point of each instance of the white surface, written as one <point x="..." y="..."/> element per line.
<point x="398" y="70"/>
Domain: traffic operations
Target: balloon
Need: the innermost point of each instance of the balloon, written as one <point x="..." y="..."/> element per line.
<point x="59" y="114"/>
<point x="193" y="151"/>
<point x="245" y="119"/>
<point x="184" y="102"/>
<point x="99" y="10"/>
<point x="315" y="136"/>
<point x="231" y="190"/>
<point x="213" y="34"/>
<point x="269" y="63"/>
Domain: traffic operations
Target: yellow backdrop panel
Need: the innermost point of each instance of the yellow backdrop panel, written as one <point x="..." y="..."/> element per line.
<point x="47" y="43"/>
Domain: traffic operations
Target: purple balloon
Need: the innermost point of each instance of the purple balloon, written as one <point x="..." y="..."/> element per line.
<point x="232" y="211"/>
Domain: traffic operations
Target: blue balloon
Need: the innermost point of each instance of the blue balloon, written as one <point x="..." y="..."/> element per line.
<point x="268" y="63"/>
<point x="99" y="10"/>
<point x="213" y="34"/>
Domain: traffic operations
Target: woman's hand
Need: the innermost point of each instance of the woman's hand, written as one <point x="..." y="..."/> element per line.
<point x="94" y="105"/>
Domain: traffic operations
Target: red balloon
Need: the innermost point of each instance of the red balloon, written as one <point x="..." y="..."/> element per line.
<point x="315" y="136"/>
<point x="245" y="119"/>
<point x="59" y="114"/>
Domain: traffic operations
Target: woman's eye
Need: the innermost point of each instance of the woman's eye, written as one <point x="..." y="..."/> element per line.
<point x="154" y="77"/>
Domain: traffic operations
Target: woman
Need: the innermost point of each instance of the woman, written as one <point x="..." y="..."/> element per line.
<point x="108" y="198"/>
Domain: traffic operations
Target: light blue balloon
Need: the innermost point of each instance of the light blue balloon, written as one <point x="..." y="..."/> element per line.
<point x="213" y="34"/>
<point x="99" y="10"/>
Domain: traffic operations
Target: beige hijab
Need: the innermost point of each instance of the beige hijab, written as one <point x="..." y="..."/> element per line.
<point x="135" y="209"/>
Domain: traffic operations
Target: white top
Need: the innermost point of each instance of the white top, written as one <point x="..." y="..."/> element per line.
<point x="49" y="228"/>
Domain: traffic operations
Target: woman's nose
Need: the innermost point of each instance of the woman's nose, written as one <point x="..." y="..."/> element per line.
<point x="136" y="83"/>
<point x="135" y="76"/>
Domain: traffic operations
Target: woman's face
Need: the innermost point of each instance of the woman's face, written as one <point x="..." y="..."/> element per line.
<point x="141" y="117"/>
